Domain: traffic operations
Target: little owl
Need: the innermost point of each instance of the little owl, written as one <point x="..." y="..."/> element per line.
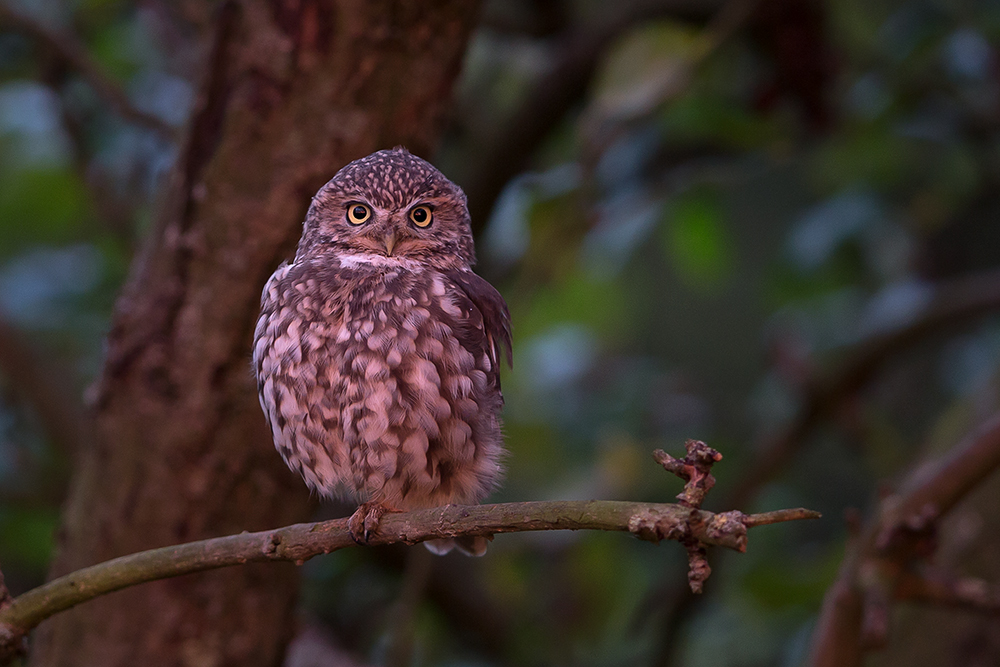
<point x="377" y="350"/>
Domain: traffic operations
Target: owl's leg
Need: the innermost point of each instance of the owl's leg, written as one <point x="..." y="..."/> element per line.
<point x="364" y="522"/>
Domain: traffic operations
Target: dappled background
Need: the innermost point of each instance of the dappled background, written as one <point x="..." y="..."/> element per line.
<point x="704" y="216"/>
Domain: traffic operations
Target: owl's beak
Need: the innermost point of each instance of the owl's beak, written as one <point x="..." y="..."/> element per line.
<point x="390" y="241"/>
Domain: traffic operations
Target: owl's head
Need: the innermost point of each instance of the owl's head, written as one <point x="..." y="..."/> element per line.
<point x="392" y="204"/>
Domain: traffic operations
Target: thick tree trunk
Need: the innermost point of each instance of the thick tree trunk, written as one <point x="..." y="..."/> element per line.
<point x="294" y="90"/>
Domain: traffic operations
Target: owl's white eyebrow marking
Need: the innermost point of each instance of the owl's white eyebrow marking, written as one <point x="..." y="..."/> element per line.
<point x="352" y="261"/>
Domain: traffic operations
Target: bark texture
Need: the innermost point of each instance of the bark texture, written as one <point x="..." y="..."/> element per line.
<point x="293" y="90"/>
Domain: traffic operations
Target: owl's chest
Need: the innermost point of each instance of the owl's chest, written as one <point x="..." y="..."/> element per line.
<point x="343" y="313"/>
<point x="363" y="301"/>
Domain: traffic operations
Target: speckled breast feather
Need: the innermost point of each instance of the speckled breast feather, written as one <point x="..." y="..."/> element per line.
<point x="381" y="383"/>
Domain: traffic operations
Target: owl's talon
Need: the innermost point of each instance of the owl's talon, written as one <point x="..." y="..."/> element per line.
<point x="365" y="520"/>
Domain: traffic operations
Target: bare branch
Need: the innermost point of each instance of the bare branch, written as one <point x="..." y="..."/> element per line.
<point x="301" y="542"/>
<point x="779" y="516"/>
<point x="68" y="48"/>
<point x="694" y="469"/>
<point x="518" y="136"/>
<point x="11" y="644"/>
<point x="962" y="469"/>
<point x="881" y="564"/>
<point x="955" y="304"/>
<point x="837" y="638"/>
<point x="931" y="587"/>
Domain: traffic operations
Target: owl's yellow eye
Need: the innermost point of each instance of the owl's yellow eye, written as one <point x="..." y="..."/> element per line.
<point x="358" y="214"/>
<point x="421" y="216"/>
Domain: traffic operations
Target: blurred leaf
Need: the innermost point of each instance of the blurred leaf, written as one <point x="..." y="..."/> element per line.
<point x="697" y="243"/>
<point x="644" y="68"/>
<point x="823" y="229"/>
<point x="607" y="581"/>
<point x="556" y="227"/>
<point x="103" y="6"/>
<point x="871" y="156"/>
<point x="27" y="536"/>
<point x="697" y="117"/>
<point x="886" y="448"/>
<point x="951" y="179"/>
<point x="626" y="222"/>
<point x="40" y="206"/>
<point x="576" y="297"/>
<point x="120" y="49"/>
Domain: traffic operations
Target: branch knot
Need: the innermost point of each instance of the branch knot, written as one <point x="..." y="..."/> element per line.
<point x="696" y="471"/>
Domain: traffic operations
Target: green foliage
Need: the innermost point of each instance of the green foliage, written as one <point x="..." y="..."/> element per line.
<point x="117" y="46"/>
<point x="696" y="241"/>
<point x="645" y="63"/>
<point x="40" y="205"/>
<point x="27" y="537"/>
<point x="578" y="298"/>
<point x="706" y="117"/>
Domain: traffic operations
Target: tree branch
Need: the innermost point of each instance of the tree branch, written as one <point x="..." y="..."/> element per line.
<point x="300" y="542"/>
<point x="959" y="472"/>
<point x="11" y="644"/>
<point x="944" y="590"/>
<point x="509" y="148"/>
<point x="71" y="51"/>
<point x="880" y="565"/>
<point x="955" y="303"/>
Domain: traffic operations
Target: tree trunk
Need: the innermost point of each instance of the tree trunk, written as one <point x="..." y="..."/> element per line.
<point x="293" y="91"/>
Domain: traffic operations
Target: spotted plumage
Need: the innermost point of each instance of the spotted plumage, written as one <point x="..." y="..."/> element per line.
<point x="377" y="350"/>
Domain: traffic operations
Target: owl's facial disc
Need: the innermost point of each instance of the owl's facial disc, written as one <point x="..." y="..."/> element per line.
<point x="392" y="232"/>
<point x="384" y="232"/>
<point x="390" y="204"/>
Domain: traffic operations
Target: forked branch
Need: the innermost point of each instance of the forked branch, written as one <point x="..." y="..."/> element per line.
<point x="887" y="558"/>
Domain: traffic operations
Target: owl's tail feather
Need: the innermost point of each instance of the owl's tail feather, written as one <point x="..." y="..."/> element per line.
<point x="470" y="545"/>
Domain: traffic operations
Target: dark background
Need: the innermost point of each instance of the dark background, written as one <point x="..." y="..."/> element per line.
<point x="701" y="215"/>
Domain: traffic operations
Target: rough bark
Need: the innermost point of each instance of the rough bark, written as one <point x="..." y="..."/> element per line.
<point x="292" y="91"/>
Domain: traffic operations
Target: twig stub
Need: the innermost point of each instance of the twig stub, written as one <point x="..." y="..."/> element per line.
<point x="698" y="568"/>
<point x="695" y="469"/>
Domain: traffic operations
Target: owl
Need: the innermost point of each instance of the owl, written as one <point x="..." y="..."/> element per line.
<point x="377" y="350"/>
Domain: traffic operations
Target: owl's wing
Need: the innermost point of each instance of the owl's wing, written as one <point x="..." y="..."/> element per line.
<point x="490" y="318"/>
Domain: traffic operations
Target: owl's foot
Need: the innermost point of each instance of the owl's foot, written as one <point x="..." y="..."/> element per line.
<point x="364" y="522"/>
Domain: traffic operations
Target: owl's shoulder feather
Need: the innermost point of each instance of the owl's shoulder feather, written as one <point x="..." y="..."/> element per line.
<point x="492" y="309"/>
